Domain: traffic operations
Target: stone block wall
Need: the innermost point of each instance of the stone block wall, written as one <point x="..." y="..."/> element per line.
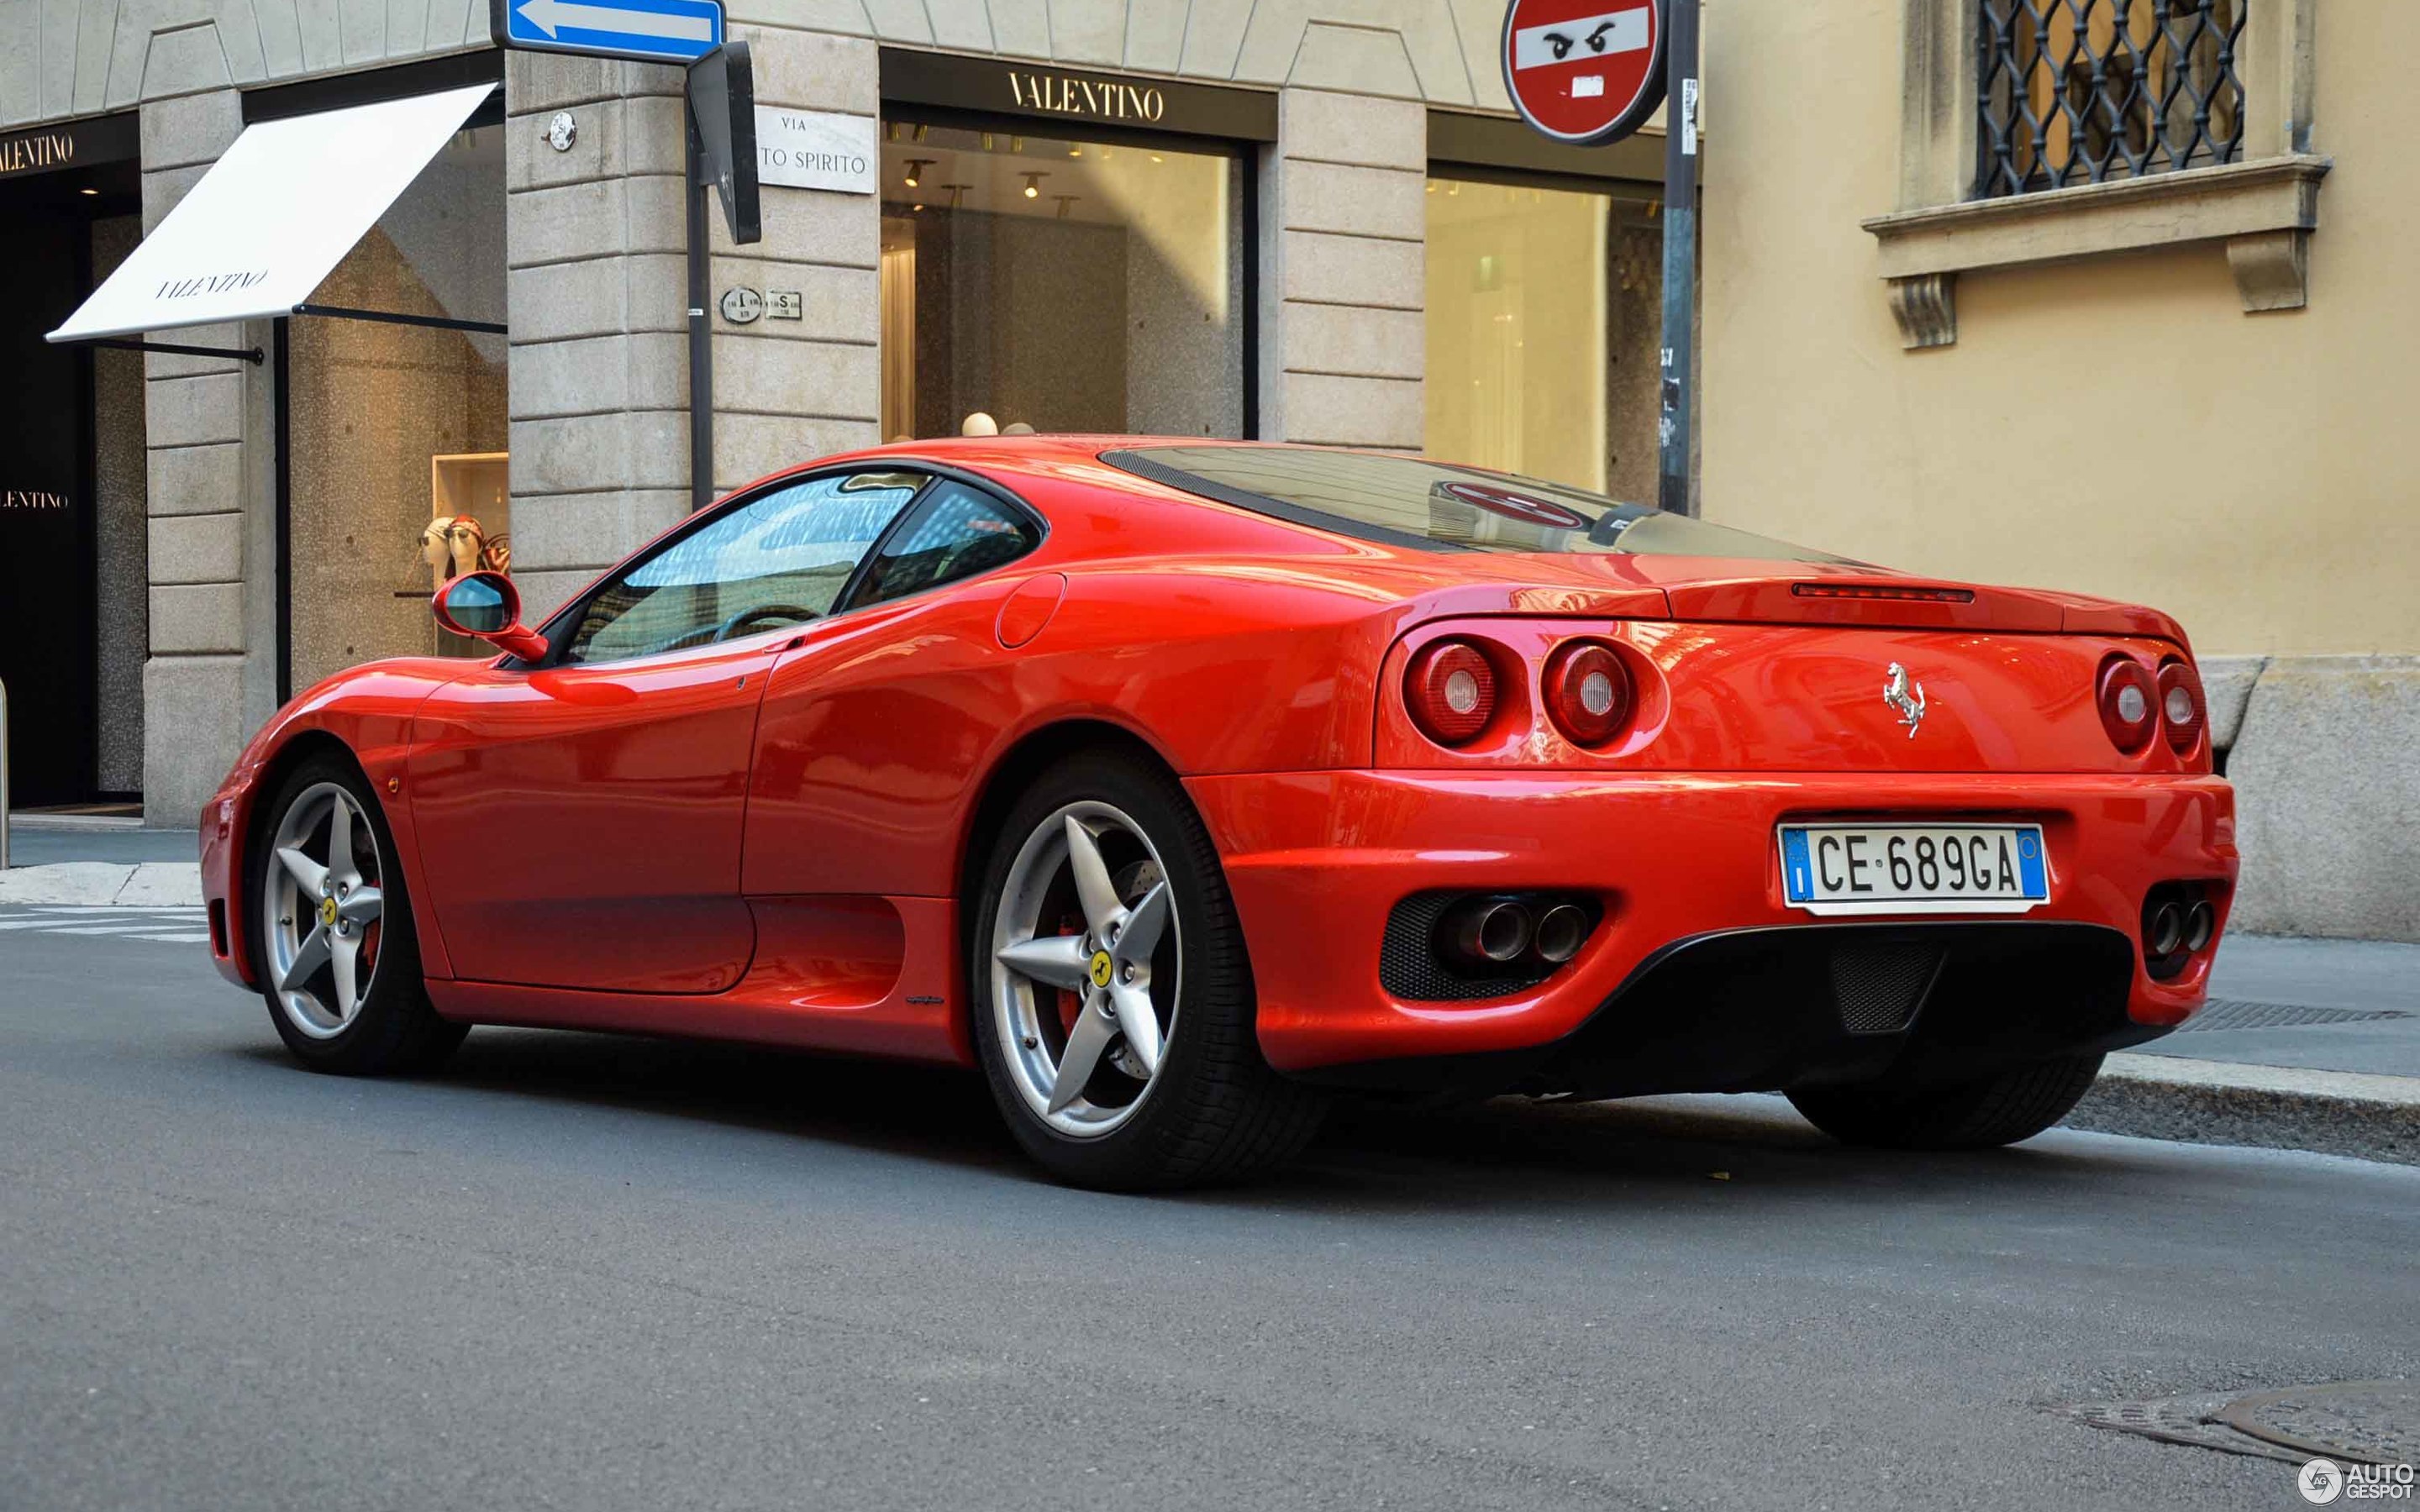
<point x="599" y="368"/>
<point x="789" y="390"/>
<point x="2325" y="759"/>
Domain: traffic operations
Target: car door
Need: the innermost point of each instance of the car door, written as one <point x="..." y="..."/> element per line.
<point x="873" y="722"/>
<point x="580" y="820"/>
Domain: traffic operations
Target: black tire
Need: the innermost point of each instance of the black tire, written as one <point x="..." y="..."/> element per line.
<point x="396" y="1030"/>
<point x="1999" y="1109"/>
<point x="1214" y="1111"/>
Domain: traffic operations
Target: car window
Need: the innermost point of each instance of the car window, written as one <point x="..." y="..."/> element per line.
<point x="1412" y="502"/>
<point x="957" y="532"/>
<point x="780" y="558"/>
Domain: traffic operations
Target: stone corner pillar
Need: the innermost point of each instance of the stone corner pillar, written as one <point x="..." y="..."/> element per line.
<point x="209" y="673"/>
<point x="1344" y="284"/>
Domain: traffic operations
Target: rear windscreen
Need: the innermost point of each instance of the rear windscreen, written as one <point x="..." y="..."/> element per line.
<point x="1409" y="500"/>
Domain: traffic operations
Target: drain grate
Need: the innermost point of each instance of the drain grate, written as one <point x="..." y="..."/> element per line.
<point x="2365" y="1422"/>
<point x="2237" y="1013"/>
<point x="2370" y="1422"/>
<point x="2187" y="1420"/>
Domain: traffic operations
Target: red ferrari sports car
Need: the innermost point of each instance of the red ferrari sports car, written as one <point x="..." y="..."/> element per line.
<point x="1181" y="784"/>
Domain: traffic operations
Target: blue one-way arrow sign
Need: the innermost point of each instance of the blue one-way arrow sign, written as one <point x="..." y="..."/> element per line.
<point x="669" y="31"/>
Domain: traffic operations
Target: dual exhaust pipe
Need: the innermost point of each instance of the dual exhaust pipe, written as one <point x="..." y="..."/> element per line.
<point x="1484" y="934"/>
<point x="2173" y="925"/>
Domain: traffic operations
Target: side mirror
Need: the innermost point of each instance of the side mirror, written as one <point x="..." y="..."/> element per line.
<point x="486" y="605"/>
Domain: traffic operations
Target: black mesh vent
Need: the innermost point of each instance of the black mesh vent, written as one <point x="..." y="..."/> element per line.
<point x="1409" y="968"/>
<point x="1877" y="987"/>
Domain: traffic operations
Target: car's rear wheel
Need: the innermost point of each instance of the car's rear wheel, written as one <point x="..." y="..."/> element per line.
<point x="339" y="960"/>
<point x="1113" y="998"/>
<point x="2000" y="1109"/>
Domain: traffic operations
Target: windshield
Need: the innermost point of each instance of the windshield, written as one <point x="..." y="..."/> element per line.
<point x="1409" y="500"/>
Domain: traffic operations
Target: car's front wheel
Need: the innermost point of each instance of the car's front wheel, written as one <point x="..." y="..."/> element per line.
<point x="339" y="960"/>
<point x="2000" y="1109"/>
<point x="1113" y="1001"/>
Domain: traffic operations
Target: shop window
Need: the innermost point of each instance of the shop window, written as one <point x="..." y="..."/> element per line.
<point x="397" y="433"/>
<point x="1056" y="284"/>
<point x="1545" y="307"/>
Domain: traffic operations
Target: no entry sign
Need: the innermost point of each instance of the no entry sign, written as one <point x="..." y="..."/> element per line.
<point x="1585" y="71"/>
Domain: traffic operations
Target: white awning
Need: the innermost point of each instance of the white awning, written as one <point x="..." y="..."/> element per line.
<point x="273" y="216"/>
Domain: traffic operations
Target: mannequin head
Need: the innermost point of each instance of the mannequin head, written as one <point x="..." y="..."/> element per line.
<point x="451" y="545"/>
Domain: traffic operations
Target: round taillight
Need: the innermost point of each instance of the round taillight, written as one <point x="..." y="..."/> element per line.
<point x="2128" y="703"/>
<point x="1587" y="692"/>
<point x="2180" y="706"/>
<point x="1450" y="689"/>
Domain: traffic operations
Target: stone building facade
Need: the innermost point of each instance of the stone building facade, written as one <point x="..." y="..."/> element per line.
<point x="2060" y="386"/>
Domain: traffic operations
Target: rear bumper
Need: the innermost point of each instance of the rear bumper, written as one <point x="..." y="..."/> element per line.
<point x="1317" y="861"/>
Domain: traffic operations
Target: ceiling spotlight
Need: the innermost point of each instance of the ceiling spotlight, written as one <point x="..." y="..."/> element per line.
<point x="915" y="209"/>
<point x="1033" y="184"/>
<point x="1064" y="200"/>
<point x="957" y="193"/>
<point x="915" y="166"/>
<point x="921" y="130"/>
<point x="1016" y="143"/>
<point x="88" y="191"/>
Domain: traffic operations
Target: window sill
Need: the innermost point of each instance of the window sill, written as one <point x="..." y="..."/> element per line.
<point x="2263" y="210"/>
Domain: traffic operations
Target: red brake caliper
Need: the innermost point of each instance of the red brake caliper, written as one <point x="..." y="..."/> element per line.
<point x="1071" y="1004"/>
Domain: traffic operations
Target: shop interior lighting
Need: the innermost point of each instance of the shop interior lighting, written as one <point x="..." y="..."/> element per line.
<point x="916" y="166"/>
<point x="1033" y="184"/>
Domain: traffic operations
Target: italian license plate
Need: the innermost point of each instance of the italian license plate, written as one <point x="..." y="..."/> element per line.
<point x="1914" y="869"/>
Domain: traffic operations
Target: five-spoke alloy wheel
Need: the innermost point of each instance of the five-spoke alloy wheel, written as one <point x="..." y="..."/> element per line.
<point x="339" y="961"/>
<point x="1114" y="1001"/>
<point x="322" y="901"/>
<point x="1085" y="971"/>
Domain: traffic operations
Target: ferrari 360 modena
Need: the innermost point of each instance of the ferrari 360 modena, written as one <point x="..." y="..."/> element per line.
<point x="1183" y="787"/>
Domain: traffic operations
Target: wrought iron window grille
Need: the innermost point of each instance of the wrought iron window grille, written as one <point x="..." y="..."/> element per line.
<point x="2086" y="91"/>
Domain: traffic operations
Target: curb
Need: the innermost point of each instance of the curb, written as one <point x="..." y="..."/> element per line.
<point x="2275" y="1107"/>
<point x="105" y="884"/>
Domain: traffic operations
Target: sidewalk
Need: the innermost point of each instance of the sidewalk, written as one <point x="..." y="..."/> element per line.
<point x="53" y="860"/>
<point x="2306" y="1044"/>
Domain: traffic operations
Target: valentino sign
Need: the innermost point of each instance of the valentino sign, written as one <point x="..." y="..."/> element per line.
<point x="44" y="150"/>
<point x="1106" y="100"/>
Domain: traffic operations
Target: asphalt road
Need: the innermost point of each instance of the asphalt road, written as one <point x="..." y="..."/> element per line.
<point x="593" y="1274"/>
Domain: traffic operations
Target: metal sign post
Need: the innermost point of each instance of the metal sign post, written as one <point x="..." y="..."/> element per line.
<point x="1588" y="73"/>
<point x="1672" y="424"/>
<point x="722" y="154"/>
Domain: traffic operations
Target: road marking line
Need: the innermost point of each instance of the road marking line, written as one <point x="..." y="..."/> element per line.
<point x="100" y="929"/>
